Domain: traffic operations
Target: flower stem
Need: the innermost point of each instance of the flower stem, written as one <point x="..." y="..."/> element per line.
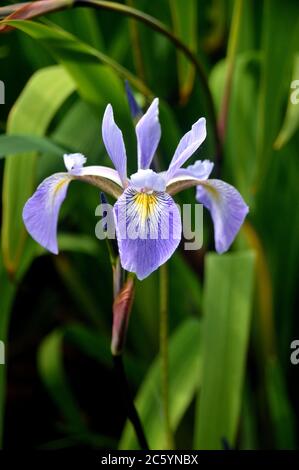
<point x="128" y="401"/>
<point x="164" y="352"/>
<point x="123" y="299"/>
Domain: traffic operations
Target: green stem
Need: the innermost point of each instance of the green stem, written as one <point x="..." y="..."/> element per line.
<point x="164" y="352"/>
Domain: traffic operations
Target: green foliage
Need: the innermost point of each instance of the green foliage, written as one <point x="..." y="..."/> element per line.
<point x="31" y="114"/>
<point x="225" y="340"/>
<point x="185" y="377"/>
<point x="231" y="317"/>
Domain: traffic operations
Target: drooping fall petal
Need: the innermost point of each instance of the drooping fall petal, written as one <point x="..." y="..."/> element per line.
<point x="227" y="208"/>
<point x="148" y="228"/>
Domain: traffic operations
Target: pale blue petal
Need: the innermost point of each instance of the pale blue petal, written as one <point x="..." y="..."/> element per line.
<point x="201" y="170"/>
<point x="188" y="144"/>
<point x="74" y="162"/>
<point x="148" y="180"/>
<point x="40" y="213"/>
<point x="114" y="143"/>
<point x="148" y="131"/>
<point x="227" y="208"/>
<point x="148" y="228"/>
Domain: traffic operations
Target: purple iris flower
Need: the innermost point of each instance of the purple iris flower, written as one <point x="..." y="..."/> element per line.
<point x="145" y="197"/>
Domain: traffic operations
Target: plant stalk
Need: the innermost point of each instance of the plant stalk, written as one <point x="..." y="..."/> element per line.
<point x="121" y="311"/>
<point x="128" y="401"/>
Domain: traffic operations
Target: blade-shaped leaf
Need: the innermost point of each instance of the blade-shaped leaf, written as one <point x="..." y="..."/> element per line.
<point x="12" y="144"/>
<point x="184" y="378"/>
<point x="52" y="372"/>
<point x="184" y="18"/>
<point x="291" y="120"/>
<point x="38" y="103"/>
<point x="280" y="33"/>
<point x="227" y="306"/>
<point x="282" y="414"/>
<point x="78" y="57"/>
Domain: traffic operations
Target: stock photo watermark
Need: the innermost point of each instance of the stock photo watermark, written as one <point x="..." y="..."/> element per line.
<point x="2" y="353"/>
<point x="147" y="223"/>
<point x="294" y="357"/>
<point x="2" y="92"/>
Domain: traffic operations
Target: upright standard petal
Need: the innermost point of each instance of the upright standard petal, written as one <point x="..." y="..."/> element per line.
<point x="148" y="131"/>
<point x="148" y="228"/>
<point x="228" y="210"/>
<point x="40" y="213"/>
<point x="188" y="144"/>
<point x="114" y="143"/>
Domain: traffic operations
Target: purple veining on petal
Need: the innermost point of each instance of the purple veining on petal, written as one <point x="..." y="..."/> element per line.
<point x="114" y="143"/>
<point x="148" y="131"/>
<point x="148" y="228"/>
<point x="188" y="144"/>
<point x="40" y="213"/>
<point x="228" y="210"/>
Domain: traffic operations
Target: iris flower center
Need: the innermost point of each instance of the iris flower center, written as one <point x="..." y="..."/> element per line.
<point x="147" y="182"/>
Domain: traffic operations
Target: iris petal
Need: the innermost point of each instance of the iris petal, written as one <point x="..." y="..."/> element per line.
<point x="148" y="131"/>
<point x="148" y="228"/>
<point x="74" y="161"/>
<point x="188" y="144"/>
<point x="114" y="143"/>
<point x="40" y="213"/>
<point x="201" y="169"/>
<point x="228" y="210"/>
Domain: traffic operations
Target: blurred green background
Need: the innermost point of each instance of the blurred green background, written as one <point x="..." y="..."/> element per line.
<point x="231" y="317"/>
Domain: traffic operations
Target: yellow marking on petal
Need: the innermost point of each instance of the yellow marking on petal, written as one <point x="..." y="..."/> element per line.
<point x="57" y="187"/>
<point x="146" y="204"/>
<point x="60" y="185"/>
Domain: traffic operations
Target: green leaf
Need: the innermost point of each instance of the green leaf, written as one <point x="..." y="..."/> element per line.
<point x="52" y="372"/>
<point x="282" y="414"/>
<point x="227" y="305"/>
<point x="240" y="163"/>
<point x="184" y="18"/>
<point x="32" y="113"/>
<point x="184" y="378"/>
<point x="279" y="33"/>
<point x="80" y="59"/>
<point x="291" y="120"/>
<point x="96" y="83"/>
<point x="12" y="144"/>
